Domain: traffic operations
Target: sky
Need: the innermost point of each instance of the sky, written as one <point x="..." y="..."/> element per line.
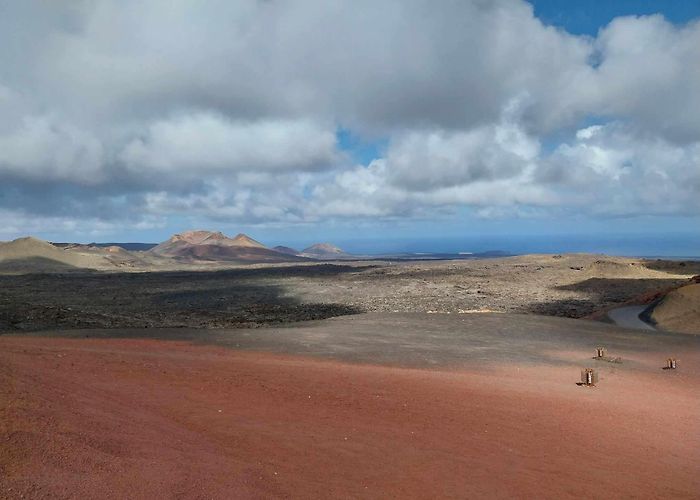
<point x="392" y="124"/>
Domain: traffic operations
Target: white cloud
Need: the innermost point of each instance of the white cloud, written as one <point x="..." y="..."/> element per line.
<point x="604" y="170"/>
<point x="615" y="171"/>
<point x="255" y="199"/>
<point x="43" y="149"/>
<point x="425" y="160"/>
<point x="205" y="142"/>
<point x="229" y="110"/>
<point x="588" y="132"/>
<point x="488" y="166"/>
<point x="14" y="223"/>
<point x="649" y="74"/>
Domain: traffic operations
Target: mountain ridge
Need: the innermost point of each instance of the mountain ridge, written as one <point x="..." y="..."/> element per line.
<point x="215" y="246"/>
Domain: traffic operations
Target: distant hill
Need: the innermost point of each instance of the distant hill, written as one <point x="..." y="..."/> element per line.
<point x="324" y="251"/>
<point x="215" y="246"/>
<point x="286" y="250"/>
<point x="679" y="310"/>
<point x="132" y="247"/>
<point x="34" y="255"/>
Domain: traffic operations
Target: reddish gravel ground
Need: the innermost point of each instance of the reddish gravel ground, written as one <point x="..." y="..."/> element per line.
<point x="154" y="419"/>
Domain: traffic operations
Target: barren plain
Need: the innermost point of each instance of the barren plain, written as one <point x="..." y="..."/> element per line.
<point x="197" y="296"/>
<point x="350" y="379"/>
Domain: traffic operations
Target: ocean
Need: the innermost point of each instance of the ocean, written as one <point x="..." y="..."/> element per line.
<point x="675" y="246"/>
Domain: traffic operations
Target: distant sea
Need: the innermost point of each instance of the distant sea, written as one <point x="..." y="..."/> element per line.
<point x="675" y="246"/>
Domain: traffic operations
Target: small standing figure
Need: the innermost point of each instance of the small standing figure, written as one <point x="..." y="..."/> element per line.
<point x="589" y="377"/>
<point x="600" y="352"/>
<point x="671" y="363"/>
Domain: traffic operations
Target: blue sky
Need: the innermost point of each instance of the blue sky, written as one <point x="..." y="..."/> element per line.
<point x="586" y="17"/>
<point x="380" y="126"/>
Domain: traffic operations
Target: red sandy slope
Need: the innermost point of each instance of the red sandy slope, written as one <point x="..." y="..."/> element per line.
<point x="148" y="419"/>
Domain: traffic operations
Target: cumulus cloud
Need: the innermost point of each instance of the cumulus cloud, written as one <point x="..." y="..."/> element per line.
<point x="487" y="166"/>
<point x="604" y="170"/>
<point x="427" y="160"/>
<point x="649" y="75"/>
<point x="204" y="142"/>
<point x="612" y="170"/>
<point x="255" y="199"/>
<point x="229" y="110"/>
<point x="374" y="65"/>
<point x="44" y="149"/>
<point x="19" y="222"/>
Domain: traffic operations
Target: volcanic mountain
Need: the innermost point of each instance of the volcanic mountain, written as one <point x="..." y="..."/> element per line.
<point x="215" y="246"/>
<point x="324" y="251"/>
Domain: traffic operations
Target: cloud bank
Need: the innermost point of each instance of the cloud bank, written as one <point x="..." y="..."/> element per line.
<point x="127" y="114"/>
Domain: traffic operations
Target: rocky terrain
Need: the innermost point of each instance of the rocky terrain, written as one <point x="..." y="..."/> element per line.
<point x="572" y="285"/>
<point x="214" y="299"/>
<point x="253" y="295"/>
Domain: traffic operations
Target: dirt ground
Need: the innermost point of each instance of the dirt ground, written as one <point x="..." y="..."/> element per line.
<point x="419" y="340"/>
<point x="364" y="379"/>
<point x="145" y="418"/>
<point x="568" y="285"/>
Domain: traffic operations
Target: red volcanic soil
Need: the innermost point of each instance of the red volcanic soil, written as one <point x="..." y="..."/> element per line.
<point x="155" y="419"/>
